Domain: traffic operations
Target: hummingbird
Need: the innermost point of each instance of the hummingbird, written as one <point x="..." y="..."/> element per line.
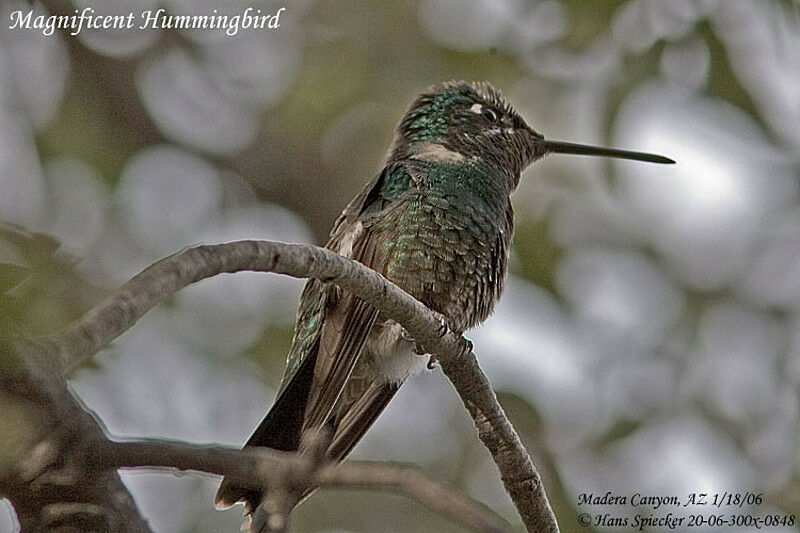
<point x="437" y="221"/>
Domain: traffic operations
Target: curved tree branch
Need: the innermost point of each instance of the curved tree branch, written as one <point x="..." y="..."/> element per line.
<point x="120" y="311"/>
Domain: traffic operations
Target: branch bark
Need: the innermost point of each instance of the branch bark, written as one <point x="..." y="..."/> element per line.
<point x="121" y="310"/>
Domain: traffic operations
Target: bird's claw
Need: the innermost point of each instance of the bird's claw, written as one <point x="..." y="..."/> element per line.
<point x="443" y="328"/>
<point x="465" y="347"/>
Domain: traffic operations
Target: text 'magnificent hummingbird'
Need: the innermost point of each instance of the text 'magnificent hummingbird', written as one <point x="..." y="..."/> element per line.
<point x="437" y="221"/>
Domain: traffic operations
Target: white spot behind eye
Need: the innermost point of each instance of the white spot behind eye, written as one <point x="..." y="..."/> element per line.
<point x="476" y="108"/>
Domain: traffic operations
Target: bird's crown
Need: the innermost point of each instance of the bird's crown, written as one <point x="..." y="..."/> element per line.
<point x="455" y="103"/>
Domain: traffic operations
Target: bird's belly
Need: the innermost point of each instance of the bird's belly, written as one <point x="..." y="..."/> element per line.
<point x="391" y="357"/>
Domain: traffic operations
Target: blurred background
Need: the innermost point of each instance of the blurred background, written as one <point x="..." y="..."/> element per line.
<point x="649" y="338"/>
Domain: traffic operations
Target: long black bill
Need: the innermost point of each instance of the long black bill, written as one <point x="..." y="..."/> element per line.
<point x="561" y="147"/>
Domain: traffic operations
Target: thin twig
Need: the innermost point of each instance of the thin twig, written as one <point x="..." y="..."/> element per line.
<point x="264" y="468"/>
<point x="403" y="479"/>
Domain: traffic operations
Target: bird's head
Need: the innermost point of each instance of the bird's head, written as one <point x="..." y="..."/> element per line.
<point x="457" y="122"/>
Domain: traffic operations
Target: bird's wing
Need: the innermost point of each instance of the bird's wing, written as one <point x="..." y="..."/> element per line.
<point x="348" y="238"/>
<point x="346" y="326"/>
<point x="354" y="400"/>
<point x="332" y="327"/>
<point x="348" y="320"/>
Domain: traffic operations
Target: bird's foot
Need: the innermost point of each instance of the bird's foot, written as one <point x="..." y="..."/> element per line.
<point x="441" y="331"/>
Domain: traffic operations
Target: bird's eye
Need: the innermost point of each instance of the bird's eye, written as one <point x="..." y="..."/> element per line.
<point x="489" y="114"/>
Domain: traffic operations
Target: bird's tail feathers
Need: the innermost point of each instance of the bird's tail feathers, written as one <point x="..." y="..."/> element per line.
<point x="280" y="430"/>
